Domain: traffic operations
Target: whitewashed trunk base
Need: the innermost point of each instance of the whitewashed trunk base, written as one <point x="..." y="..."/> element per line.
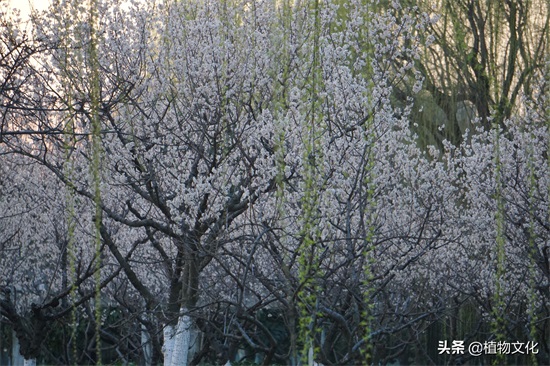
<point x="146" y="346"/>
<point x="179" y="341"/>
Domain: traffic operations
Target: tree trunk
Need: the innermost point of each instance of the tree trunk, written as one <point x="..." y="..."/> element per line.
<point x="16" y="357"/>
<point x="31" y="362"/>
<point x="180" y="343"/>
<point x="168" y="345"/>
<point x="294" y="359"/>
<point x="146" y="346"/>
<point x="182" y="340"/>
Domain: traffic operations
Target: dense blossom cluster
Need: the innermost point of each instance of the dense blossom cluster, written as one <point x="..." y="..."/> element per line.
<point x="257" y="169"/>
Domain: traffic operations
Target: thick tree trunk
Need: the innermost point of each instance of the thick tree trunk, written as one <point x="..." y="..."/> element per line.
<point x="179" y="343"/>
<point x="182" y="340"/>
<point x="168" y="344"/>
<point x="16" y="358"/>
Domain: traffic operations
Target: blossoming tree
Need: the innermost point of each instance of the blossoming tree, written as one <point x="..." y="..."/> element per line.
<point x="237" y="180"/>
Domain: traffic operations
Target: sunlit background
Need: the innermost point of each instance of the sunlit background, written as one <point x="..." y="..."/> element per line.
<point x="25" y="6"/>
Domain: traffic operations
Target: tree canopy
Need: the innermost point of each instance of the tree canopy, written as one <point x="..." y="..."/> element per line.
<point x="275" y="182"/>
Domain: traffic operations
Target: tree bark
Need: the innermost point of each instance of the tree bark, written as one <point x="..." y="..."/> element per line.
<point x="16" y="357"/>
<point x="182" y="339"/>
<point x="168" y="344"/>
<point x="30" y="362"/>
<point x="146" y="345"/>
